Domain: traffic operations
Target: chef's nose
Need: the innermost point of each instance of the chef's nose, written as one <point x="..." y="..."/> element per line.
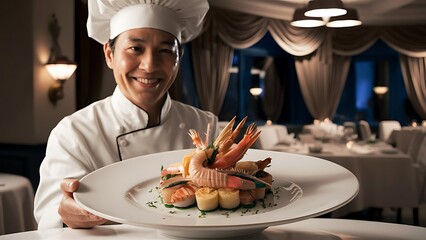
<point x="149" y="61"/>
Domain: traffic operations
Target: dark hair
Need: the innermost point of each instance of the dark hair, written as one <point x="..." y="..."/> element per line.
<point x="111" y="43"/>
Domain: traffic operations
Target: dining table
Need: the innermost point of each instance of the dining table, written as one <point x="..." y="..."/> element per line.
<point x="16" y="204"/>
<point x="314" y="228"/>
<point x="385" y="174"/>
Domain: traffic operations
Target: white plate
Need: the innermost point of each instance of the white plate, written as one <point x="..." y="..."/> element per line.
<point x="303" y="187"/>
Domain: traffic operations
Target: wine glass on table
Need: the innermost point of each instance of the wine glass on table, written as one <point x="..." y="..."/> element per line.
<point x="350" y="135"/>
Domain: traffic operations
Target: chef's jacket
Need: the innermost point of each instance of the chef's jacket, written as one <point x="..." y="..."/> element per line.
<point x="106" y="132"/>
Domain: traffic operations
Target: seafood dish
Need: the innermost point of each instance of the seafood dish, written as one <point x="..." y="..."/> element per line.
<point x="211" y="176"/>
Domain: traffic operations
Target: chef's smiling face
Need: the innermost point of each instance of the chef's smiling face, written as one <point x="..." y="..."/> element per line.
<point x="145" y="63"/>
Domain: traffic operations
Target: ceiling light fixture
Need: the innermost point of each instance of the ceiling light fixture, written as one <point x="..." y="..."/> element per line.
<point x="324" y="12"/>
<point x="350" y="19"/>
<point x="325" y="8"/>
<point x="300" y="20"/>
<point x="233" y="69"/>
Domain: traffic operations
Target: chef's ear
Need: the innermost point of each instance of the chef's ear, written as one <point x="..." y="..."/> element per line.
<point x="109" y="54"/>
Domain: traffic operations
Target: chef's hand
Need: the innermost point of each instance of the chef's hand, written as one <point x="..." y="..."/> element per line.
<point x="72" y="215"/>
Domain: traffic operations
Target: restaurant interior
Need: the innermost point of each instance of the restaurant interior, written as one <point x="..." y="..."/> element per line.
<point x="353" y="95"/>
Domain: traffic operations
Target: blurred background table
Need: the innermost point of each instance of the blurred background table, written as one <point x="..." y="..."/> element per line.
<point x="16" y="204"/>
<point x="386" y="175"/>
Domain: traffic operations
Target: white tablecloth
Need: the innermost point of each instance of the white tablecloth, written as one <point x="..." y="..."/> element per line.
<point x="16" y="204"/>
<point x="315" y="228"/>
<point x="385" y="179"/>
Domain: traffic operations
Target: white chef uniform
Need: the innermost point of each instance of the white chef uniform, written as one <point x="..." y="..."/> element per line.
<point x="105" y="132"/>
<point x="115" y="129"/>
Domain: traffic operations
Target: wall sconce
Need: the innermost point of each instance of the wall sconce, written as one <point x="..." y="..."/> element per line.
<point x="256" y="91"/>
<point x="380" y="90"/>
<point x="257" y="74"/>
<point x="58" y="65"/>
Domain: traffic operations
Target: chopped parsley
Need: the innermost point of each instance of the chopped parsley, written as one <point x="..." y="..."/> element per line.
<point x="151" y="204"/>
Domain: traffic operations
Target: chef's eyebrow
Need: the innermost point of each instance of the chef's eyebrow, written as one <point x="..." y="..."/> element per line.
<point x="141" y="40"/>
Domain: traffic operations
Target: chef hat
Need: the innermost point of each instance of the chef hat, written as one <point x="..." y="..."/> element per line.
<point x="182" y="18"/>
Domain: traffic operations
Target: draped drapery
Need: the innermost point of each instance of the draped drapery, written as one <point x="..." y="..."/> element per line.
<point x="320" y="48"/>
<point x="239" y="30"/>
<point x="410" y="43"/>
<point x="212" y="53"/>
<point x="212" y="59"/>
<point x="407" y="40"/>
<point x="414" y="73"/>
<point x="322" y="82"/>
<point x="273" y="99"/>
<point x="353" y="41"/>
<point x="296" y="41"/>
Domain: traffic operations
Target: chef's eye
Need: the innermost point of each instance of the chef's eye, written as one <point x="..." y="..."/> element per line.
<point x="136" y="49"/>
<point x="167" y="50"/>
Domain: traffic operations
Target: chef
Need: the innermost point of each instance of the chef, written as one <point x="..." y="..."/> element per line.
<point x="142" y="45"/>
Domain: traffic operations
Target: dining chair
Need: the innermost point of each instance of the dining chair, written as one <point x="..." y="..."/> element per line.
<point x="415" y="143"/>
<point x="281" y="130"/>
<point x="351" y="125"/>
<point x="404" y="139"/>
<point x="365" y="130"/>
<point x="386" y="127"/>
<point x="270" y="136"/>
<point x="267" y="137"/>
<point x="420" y="168"/>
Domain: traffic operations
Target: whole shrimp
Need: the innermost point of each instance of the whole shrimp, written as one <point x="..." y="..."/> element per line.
<point x="207" y="177"/>
<point x="223" y="154"/>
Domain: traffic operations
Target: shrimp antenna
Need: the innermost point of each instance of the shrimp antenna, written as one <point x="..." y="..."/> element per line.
<point x="206" y="143"/>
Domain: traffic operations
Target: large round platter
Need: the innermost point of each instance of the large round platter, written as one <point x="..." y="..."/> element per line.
<point x="303" y="187"/>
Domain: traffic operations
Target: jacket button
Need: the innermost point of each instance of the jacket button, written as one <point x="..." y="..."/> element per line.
<point x="120" y="129"/>
<point x="182" y="125"/>
<point x="123" y="143"/>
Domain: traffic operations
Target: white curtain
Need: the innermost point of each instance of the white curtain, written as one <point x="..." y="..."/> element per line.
<point x="322" y="82"/>
<point x="296" y="41"/>
<point x="212" y="59"/>
<point x="413" y="71"/>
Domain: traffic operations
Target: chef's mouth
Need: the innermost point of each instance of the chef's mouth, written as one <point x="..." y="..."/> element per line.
<point x="147" y="80"/>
